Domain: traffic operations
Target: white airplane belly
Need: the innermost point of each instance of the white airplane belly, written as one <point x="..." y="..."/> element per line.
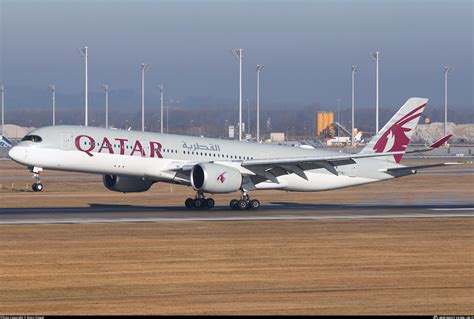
<point x="316" y="182"/>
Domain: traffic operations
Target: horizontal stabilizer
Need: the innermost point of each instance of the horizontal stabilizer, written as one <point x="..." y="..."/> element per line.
<point x="441" y="141"/>
<point x="433" y="146"/>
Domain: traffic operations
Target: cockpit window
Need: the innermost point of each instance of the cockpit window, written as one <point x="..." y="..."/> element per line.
<point x="33" y="138"/>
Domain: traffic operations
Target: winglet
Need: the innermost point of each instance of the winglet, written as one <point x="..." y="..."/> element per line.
<point x="441" y="141"/>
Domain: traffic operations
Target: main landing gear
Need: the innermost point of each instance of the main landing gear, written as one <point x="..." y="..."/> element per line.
<point x="245" y="202"/>
<point x="199" y="202"/>
<point x="37" y="186"/>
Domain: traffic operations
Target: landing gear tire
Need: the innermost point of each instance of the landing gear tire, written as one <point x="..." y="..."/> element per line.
<point x="189" y="203"/>
<point x="233" y="203"/>
<point x="199" y="203"/>
<point x="254" y="204"/>
<point x="210" y="203"/>
<point x="37" y="187"/>
<point x="242" y="204"/>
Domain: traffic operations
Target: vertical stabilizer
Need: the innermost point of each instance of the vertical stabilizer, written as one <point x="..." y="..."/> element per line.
<point x="396" y="134"/>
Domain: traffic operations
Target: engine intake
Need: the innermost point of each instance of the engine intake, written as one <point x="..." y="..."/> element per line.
<point x="126" y="184"/>
<point x="215" y="178"/>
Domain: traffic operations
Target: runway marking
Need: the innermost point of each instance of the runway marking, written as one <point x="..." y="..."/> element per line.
<point x="249" y="218"/>
<point x="461" y="208"/>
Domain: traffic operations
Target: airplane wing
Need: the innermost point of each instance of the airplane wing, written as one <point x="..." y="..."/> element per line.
<point x="433" y="146"/>
<point x="270" y="169"/>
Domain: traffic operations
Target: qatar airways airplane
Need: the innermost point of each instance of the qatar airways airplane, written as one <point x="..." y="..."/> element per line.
<point x="132" y="161"/>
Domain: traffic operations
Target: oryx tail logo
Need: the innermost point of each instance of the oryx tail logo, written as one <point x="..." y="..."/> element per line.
<point x="395" y="139"/>
<point x="221" y="177"/>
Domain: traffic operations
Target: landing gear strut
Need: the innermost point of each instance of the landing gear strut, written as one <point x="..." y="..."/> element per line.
<point x="37" y="186"/>
<point x="199" y="202"/>
<point x="245" y="202"/>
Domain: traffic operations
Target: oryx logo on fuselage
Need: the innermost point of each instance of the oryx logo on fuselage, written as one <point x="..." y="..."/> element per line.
<point x="88" y="145"/>
<point x="395" y="138"/>
<point x="221" y="177"/>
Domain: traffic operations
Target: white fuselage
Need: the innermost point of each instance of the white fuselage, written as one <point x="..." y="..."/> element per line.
<point x="154" y="156"/>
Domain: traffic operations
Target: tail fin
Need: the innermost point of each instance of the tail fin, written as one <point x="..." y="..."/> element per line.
<point x="396" y="134"/>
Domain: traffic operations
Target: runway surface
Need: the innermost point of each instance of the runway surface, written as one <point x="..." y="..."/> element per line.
<point x="276" y="211"/>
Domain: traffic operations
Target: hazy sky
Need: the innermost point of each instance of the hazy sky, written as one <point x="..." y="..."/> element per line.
<point x="307" y="47"/>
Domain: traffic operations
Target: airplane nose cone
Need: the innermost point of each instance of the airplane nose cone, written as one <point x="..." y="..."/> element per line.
<point x="16" y="153"/>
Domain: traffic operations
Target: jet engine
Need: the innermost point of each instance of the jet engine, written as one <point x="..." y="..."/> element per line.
<point x="215" y="178"/>
<point x="126" y="184"/>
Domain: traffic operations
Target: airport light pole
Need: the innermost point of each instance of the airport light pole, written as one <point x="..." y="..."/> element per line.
<point x="447" y="69"/>
<point x="354" y="69"/>
<point x="167" y="108"/>
<point x="247" y="129"/>
<point x="85" y="55"/>
<point x="161" y="102"/>
<point x="144" y="68"/>
<point x="52" y="87"/>
<point x="259" y="69"/>
<point x="238" y="54"/>
<point x="375" y="57"/>
<point x="338" y="114"/>
<point x="2" y="89"/>
<point x="106" y="89"/>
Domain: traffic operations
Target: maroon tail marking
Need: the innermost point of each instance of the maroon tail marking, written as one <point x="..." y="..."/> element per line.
<point x="399" y="134"/>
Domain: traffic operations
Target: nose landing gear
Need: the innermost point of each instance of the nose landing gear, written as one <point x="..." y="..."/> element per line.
<point x="37" y="186"/>
<point x="245" y="202"/>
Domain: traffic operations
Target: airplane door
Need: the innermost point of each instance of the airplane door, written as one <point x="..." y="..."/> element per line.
<point x="65" y="141"/>
<point x="352" y="170"/>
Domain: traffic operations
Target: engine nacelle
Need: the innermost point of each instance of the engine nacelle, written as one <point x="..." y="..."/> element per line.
<point x="215" y="178"/>
<point x="126" y="184"/>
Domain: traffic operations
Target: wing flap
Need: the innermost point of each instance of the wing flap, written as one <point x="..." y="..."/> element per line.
<point x="336" y="160"/>
<point x="271" y="168"/>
